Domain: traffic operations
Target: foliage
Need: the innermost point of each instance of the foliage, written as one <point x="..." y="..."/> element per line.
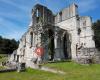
<point x="3" y="57"/>
<point x="96" y="28"/>
<point x="1" y="67"/>
<point x="7" y="46"/>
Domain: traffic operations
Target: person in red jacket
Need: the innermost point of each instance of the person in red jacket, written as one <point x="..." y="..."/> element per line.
<point x="40" y="52"/>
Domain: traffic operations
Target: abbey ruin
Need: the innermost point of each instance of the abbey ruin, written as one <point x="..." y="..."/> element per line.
<point x="66" y="35"/>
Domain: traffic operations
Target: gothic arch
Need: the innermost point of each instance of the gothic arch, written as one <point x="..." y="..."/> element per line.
<point x="66" y="45"/>
<point x="51" y="44"/>
<point x="31" y="38"/>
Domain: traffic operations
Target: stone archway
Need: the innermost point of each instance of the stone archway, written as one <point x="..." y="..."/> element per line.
<point x="51" y="44"/>
<point x="66" y="46"/>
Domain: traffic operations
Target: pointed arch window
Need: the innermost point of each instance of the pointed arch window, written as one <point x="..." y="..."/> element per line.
<point x="60" y="14"/>
<point x="38" y="15"/>
<point x="31" y="38"/>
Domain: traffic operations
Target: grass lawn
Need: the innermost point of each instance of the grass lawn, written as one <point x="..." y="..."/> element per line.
<point x="73" y="72"/>
<point x="78" y="72"/>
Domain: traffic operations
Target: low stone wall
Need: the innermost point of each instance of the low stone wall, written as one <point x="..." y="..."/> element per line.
<point x="88" y="60"/>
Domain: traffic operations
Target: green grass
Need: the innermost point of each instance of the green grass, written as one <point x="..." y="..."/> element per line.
<point x="73" y="72"/>
<point x="76" y="71"/>
<point x="30" y="74"/>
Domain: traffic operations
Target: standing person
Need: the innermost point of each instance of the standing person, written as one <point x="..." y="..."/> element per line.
<point x="39" y="51"/>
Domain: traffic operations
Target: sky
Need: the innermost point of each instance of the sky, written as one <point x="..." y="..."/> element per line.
<point x="15" y="15"/>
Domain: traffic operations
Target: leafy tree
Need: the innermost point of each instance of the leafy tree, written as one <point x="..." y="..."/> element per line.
<point x="7" y="46"/>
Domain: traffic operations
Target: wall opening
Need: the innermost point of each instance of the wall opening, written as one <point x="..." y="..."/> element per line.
<point x="31" y="38"/>
<point x="14" y="57"/>
<point x="17" y="58"/>
<point x="66" y="46"/>
<point x="51" y="44"/>
<point x="60" y="14"/>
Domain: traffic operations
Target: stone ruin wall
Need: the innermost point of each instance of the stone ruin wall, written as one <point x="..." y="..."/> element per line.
<point x="66" y="21"/>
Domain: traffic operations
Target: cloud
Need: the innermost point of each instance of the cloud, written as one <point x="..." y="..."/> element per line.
<point x="14" y="19"/>
<point x="15" y="34"/>
<point x="87" y="5"/>
<point x="10" y="30"/>
<point x="14" y="4"/>
<point x="17" y="16"/>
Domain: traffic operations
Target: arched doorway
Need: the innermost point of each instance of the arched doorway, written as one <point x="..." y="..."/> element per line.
<point x="66" y="46"/>
<point x="51" y="44"/>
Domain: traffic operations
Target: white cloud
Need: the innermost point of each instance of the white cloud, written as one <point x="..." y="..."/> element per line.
<point x="15" y="34"/>
<point x="15" y="15"/>
<point x="87" y="5"/>
<point x="10" y="30"/>
<point x="19" y="6"/>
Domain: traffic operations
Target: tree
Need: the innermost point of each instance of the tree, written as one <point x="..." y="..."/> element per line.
<point x="96" y="28"/>
<point x="7" y="46"/>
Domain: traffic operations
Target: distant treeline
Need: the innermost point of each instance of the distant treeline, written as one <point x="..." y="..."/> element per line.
<point x="7" y="46"/>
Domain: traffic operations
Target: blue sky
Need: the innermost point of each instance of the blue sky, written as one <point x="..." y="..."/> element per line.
<point x="15" y="15"/>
